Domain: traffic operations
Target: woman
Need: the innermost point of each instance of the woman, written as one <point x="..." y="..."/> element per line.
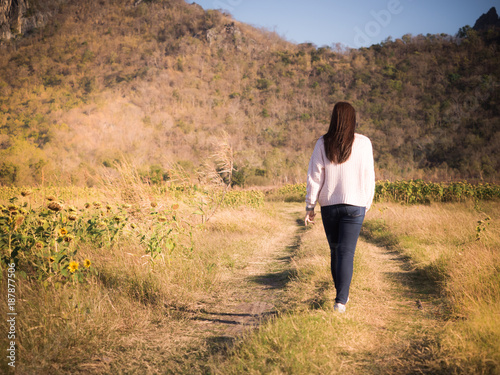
<point x="341" y="178"/>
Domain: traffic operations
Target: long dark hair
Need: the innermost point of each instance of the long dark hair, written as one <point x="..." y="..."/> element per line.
<point x="340" y="135"/>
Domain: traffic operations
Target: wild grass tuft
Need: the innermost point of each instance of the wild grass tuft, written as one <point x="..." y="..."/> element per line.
<point x="315" y="342"/>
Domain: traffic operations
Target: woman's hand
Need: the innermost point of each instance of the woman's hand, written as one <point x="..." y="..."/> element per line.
<point x="309" y="217"/>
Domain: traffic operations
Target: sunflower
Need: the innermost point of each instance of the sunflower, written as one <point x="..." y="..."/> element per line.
<point x="87" y="263"/>
<point x="68" y="238"/>
<point x="55" y="206"/>
<point x="175" y="207"/>
<point x="18" y="221"/>
<point x="162" y="219"/>
<point x="52" y="259"/>
<point x="63" y="231"/>
<point x="73" y="266"/>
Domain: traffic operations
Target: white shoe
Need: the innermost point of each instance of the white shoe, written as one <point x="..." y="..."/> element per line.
<point x="339" y="307"/>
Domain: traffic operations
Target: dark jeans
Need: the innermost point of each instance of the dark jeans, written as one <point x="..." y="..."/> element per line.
<point x="342" y="223"/>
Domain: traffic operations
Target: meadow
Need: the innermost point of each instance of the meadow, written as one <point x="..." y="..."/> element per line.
<point x="135" y="278"/>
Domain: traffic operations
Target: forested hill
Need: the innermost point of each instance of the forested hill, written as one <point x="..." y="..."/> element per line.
<point x="161" y="82"/>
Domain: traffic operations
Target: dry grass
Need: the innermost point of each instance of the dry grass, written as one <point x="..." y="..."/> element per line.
<point x="425" y="300"/>
<point x="309" y="338"/>
<point x="441" y="240"/>
<point x="138" y="316"/>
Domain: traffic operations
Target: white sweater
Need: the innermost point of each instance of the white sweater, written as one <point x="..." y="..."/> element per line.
<point x="352" y="182"/>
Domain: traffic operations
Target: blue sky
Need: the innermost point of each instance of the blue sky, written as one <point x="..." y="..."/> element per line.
<point x="354" y="23"/>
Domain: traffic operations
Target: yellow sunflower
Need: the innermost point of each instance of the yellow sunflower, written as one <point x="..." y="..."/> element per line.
<point x="63" y="231"/>
<point x="87" y="263"/>
<point x="73" y="266"/>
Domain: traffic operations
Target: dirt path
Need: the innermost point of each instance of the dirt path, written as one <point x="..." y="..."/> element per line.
<point x="398" y="306"/>
<point x="402" y="307"/>
<point x="254" y="292"/>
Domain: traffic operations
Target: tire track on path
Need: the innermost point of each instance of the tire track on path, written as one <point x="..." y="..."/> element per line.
<point x="254" y="292"/>
<point x="403" y="310"/>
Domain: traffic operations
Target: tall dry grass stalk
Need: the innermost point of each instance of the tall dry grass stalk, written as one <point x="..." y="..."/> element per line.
<point x="218" y="172"/>
<point x="123" y="183"/>
<point x="219" y="168"/>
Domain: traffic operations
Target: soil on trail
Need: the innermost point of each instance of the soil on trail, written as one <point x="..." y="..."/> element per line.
<point x="254" y="291"/>
<point x="403" y="309"/>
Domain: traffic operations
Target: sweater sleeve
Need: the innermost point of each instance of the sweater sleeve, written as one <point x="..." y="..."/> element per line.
<point x="369" y="176"/>
<point x="315" y="176"/>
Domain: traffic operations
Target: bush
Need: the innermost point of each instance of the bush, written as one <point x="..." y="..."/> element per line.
<point x="8" y="173"/>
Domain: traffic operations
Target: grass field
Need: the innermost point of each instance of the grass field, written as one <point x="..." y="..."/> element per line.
<point x="179" y="282"/>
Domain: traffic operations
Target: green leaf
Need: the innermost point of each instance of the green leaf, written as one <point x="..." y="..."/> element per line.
<point x="60" y="257"/>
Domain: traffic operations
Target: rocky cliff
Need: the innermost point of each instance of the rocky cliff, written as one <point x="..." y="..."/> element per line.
<point x="18" y="17"/>
<point x="487" y="20"/>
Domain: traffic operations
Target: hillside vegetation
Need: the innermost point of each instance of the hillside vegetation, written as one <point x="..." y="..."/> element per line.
<point x="162" y="82"/>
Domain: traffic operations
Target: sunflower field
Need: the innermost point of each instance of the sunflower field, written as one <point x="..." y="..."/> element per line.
<point x="43" y="240"/>
<point x="408" y="192"/>
<point x="41" y="231"/>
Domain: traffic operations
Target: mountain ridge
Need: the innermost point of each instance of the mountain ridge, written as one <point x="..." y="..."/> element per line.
<point x="163" y="82"/>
